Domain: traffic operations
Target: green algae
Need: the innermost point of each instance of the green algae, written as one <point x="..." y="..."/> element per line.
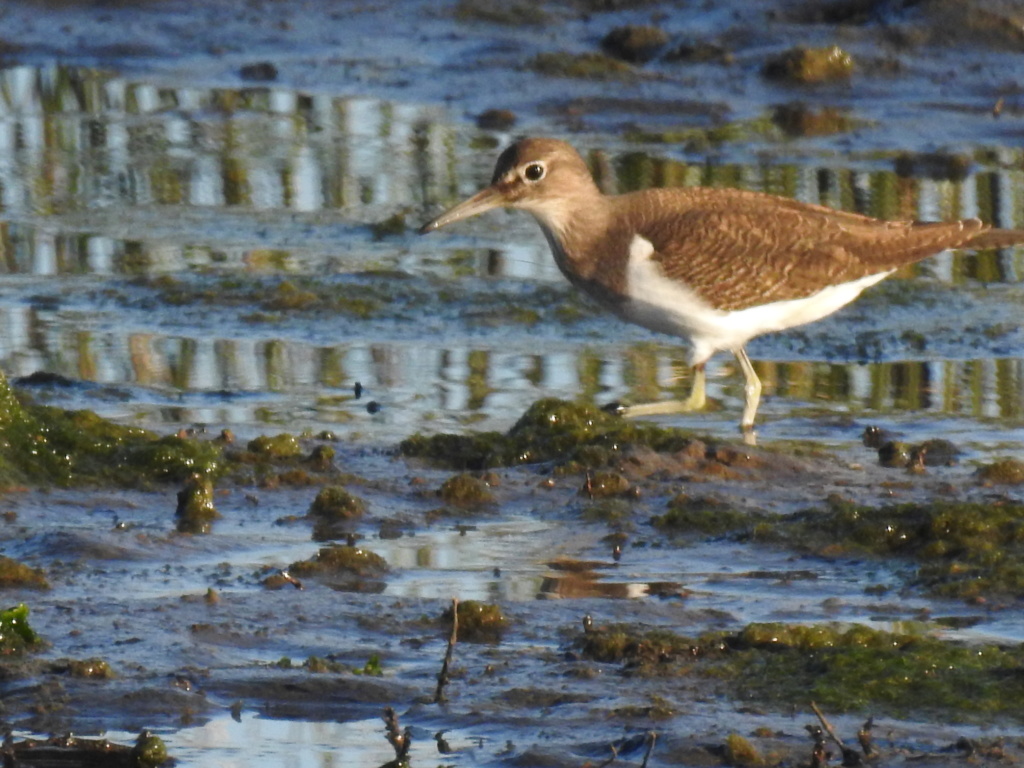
<point x="196" y="511"/>
<point x="1003" y="472"/>
<point x="319" y="664"/>
<point x="549" y="430"/>
<point x="808" y="66"/>
<point x="149" y="751"/>
<point x="509" y="14"/>
<point x="279" y="446"/>
<point x="894" y="454"/>
<point x="616" y="513"/>
<point x="964" y="550"/>
<point x="321" y="458"/>
<point x="90" y="669"/>
<point x="586" y="66"/>
<point x="861" y="669"/>
<point x="298" y="294"/>
<point x="479" y="622"/>
<point x="338" y="559"/>
<point x="176" y="459"/>
<point x="16" y="575"/>
<point x="844" y="668"/>
<point x="332" y="512"/>
<point x="739" y="751"/>
<point x="703" y="515"/>
<point x="335" y="503"/>
<point x="605" y="484"/>
<point x="289" y="297"/>
<point x="277" y="460"/>
<point x="361" y="296"/>
<point x="623" y="643"/>
<point x="47" y="445"/>
<point x="16" y="635"/>
<point x="800" y="120"/>
<point x="465" y="490"/>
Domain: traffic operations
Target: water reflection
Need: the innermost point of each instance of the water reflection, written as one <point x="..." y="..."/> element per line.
<point x="104" y="179"/>
<point x="357" y="743"/>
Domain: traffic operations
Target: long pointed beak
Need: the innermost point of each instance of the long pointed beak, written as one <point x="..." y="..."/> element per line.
<point x="485" y="200"/>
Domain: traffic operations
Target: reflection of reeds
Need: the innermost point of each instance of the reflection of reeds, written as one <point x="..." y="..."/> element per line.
<point x="972" y="388"/>
<point x="485" y="381"/>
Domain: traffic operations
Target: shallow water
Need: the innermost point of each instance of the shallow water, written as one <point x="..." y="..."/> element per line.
<point x="111" y="183"/>
<point x="151" y="211"/>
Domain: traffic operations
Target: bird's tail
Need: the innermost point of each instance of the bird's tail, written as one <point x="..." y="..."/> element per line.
<point x="995" y="238"/>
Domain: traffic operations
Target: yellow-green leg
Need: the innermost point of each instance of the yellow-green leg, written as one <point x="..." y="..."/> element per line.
<point x="752" y="395"/>
<point x="694" y="402"/>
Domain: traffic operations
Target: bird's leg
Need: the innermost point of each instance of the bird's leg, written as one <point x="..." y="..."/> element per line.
<point x="694" y="402"/>
<point x="752" y="395"/>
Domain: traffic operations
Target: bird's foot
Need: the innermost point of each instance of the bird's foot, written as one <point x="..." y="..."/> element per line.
<point x="696" y="401"/>
<point x="661" y="407"/>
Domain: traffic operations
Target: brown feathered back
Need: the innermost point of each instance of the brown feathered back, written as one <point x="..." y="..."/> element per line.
<point x="789" y="249"/>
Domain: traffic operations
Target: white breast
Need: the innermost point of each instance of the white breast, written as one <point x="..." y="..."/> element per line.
<point x="670" y="307"/>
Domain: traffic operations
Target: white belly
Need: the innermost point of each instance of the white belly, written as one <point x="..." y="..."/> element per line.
<point x="669" y="307"/>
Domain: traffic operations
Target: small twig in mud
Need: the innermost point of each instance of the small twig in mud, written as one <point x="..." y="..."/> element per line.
<point x="610" y="760"/>
<point x="443" y="747"/>
<point x="443" y="676"/>
<point x="827" y="726"/>
<point x="651" y="738"/>
<point x="399" y="741"/>
<point x="819" y="755"/>
<point x="864" y="737"/>
<point x="8" y="751"/>
<point x="850" y="756"/>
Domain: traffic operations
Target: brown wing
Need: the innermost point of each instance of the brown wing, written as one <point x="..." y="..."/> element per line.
<point x="736" y="249"/>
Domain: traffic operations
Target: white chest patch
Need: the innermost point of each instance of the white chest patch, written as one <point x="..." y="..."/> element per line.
<point x="668" y="306"/>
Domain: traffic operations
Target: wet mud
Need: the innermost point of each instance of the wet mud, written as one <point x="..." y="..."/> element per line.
<point x="655" y="578"/>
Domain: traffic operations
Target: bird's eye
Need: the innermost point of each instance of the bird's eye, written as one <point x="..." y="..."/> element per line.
<point x="534" y="172"/>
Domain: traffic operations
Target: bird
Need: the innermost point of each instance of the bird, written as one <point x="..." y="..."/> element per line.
<point x="715" y="266"/>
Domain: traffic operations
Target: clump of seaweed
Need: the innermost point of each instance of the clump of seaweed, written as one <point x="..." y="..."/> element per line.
<point x="43" y="444"/>
<point x="16" y="634"/>
<point x="845" y="668"/>
<point x="811" y="65"/>
<point x="14" y="574"/>
<point x="585" y="66"/>
<point x="961" y="549"/>
<point x="196" y="511"/>
<point x="465" y="490"/>
<point x="343" y="566"/>
<point x="549" y="430"/>
<point x="478" y="622"/>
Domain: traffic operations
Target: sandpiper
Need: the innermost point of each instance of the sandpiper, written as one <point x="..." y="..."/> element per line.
<point x="716" y="266"/>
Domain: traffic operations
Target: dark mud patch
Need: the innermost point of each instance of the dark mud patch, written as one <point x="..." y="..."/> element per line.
<point x="149" y="751"/>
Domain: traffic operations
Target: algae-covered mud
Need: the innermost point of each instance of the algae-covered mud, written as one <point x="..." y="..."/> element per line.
<point x="260" y="436"/>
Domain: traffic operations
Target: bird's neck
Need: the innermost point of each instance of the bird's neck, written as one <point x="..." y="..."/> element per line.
<point x="586" y="246"/>
<point x="574" y="229"/>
